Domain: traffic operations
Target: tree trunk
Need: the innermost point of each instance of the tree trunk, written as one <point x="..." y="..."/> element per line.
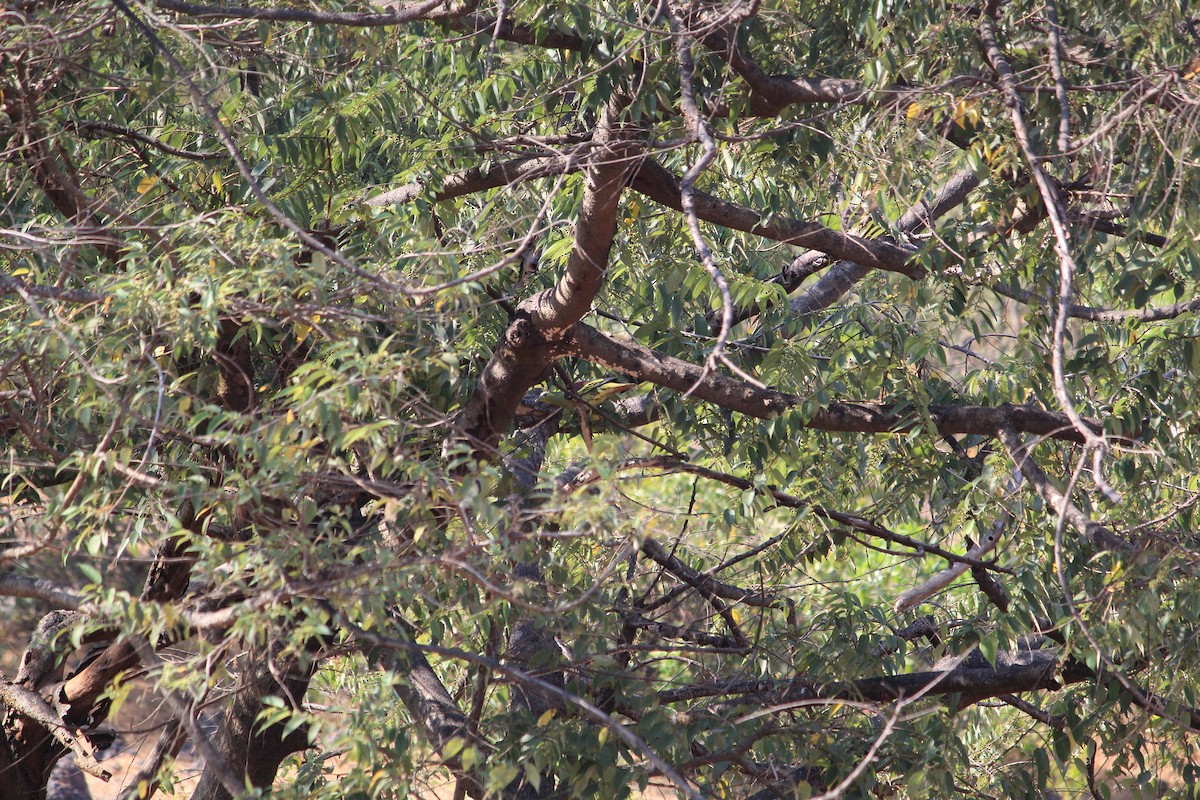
<point x="251" y="753"/>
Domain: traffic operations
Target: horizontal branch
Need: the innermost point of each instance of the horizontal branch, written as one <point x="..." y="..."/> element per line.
<point x="643" y="364"/>
<point x="18" y="286"/>
<point x="398" y="14"/>
<point x="1013" y="673"/>
<point x="1093" y="314"/>
<point x="510" y="31"/>
<point x="843" y="275"/>
<point x="92" y="126"/>
<point x="476" y="179"/>
<point x="57" y="595"/>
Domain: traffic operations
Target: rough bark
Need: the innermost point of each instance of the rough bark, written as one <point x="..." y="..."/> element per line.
<point x="634" y="359"/>
<point x="533" y="341"/>
<point x="245" y="747"/>
<point x="661" y="186"/>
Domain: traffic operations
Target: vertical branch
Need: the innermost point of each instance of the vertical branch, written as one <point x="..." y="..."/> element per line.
<point x="253" y="752"/>
<point x="1062" y="237"/>
<point x="699" y="131"/>
<point x="1054" y="37"/>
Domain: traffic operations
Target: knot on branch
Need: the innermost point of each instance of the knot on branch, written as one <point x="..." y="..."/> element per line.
<point x="519" y="333"/>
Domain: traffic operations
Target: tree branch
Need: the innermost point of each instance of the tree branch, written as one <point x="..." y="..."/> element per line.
<point x="1100" y="536"/>
<point x="13" y="585"/>
<point x="632" y="358"/>
<point x="476" y="179"/>
<point x="843" y="275"/>
<point x="532" y="341"/>
<point x="706" y="584"/>
<point x="661" y="186"/>
<point x="123" y="132"/>
<point x="396" y="15"/>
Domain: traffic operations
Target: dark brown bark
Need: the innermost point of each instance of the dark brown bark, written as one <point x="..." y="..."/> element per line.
<point x="246" y="748"/>
<point x="49" y="165"/>
<point x="1013" y="673"/>
<point x="661" y="186"/>
<point x="235" y="385"/>
<point x="27" y="750"/>
<point x="533" y="341"/>
<point x="631" y="358"/>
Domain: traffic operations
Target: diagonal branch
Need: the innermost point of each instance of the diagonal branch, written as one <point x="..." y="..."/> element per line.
<point x="1094" y="532"/>
<point x="32" y="705"/>
<point x="706" y="584"/>
<point x="660" y="185"/>
<point x="843" y="275"/>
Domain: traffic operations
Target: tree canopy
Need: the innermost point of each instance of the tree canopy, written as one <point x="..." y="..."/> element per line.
<point x="527" y="400"/>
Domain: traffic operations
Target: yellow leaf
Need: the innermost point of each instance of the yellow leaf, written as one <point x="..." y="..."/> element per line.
<point x="914" y="110"/>
<point x="147" y="184"/>
<point x="218" y="183"/>
<point x="545" y="718"/>
<point x="966" y="111"/>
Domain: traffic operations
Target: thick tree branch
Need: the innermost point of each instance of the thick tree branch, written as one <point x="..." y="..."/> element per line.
<point x="253" y="751"/>
<point x="533" y="340"/>
<point x="396" y="14"/>
<point x="13" y="585"/>
<point x="31" y="705"/>
<point x="634" y="359"/>
<point x="661" y="186"/>
<point x="613" y="157"/>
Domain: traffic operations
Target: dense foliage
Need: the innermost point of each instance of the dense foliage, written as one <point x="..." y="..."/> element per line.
<point x="762" y="399"/>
